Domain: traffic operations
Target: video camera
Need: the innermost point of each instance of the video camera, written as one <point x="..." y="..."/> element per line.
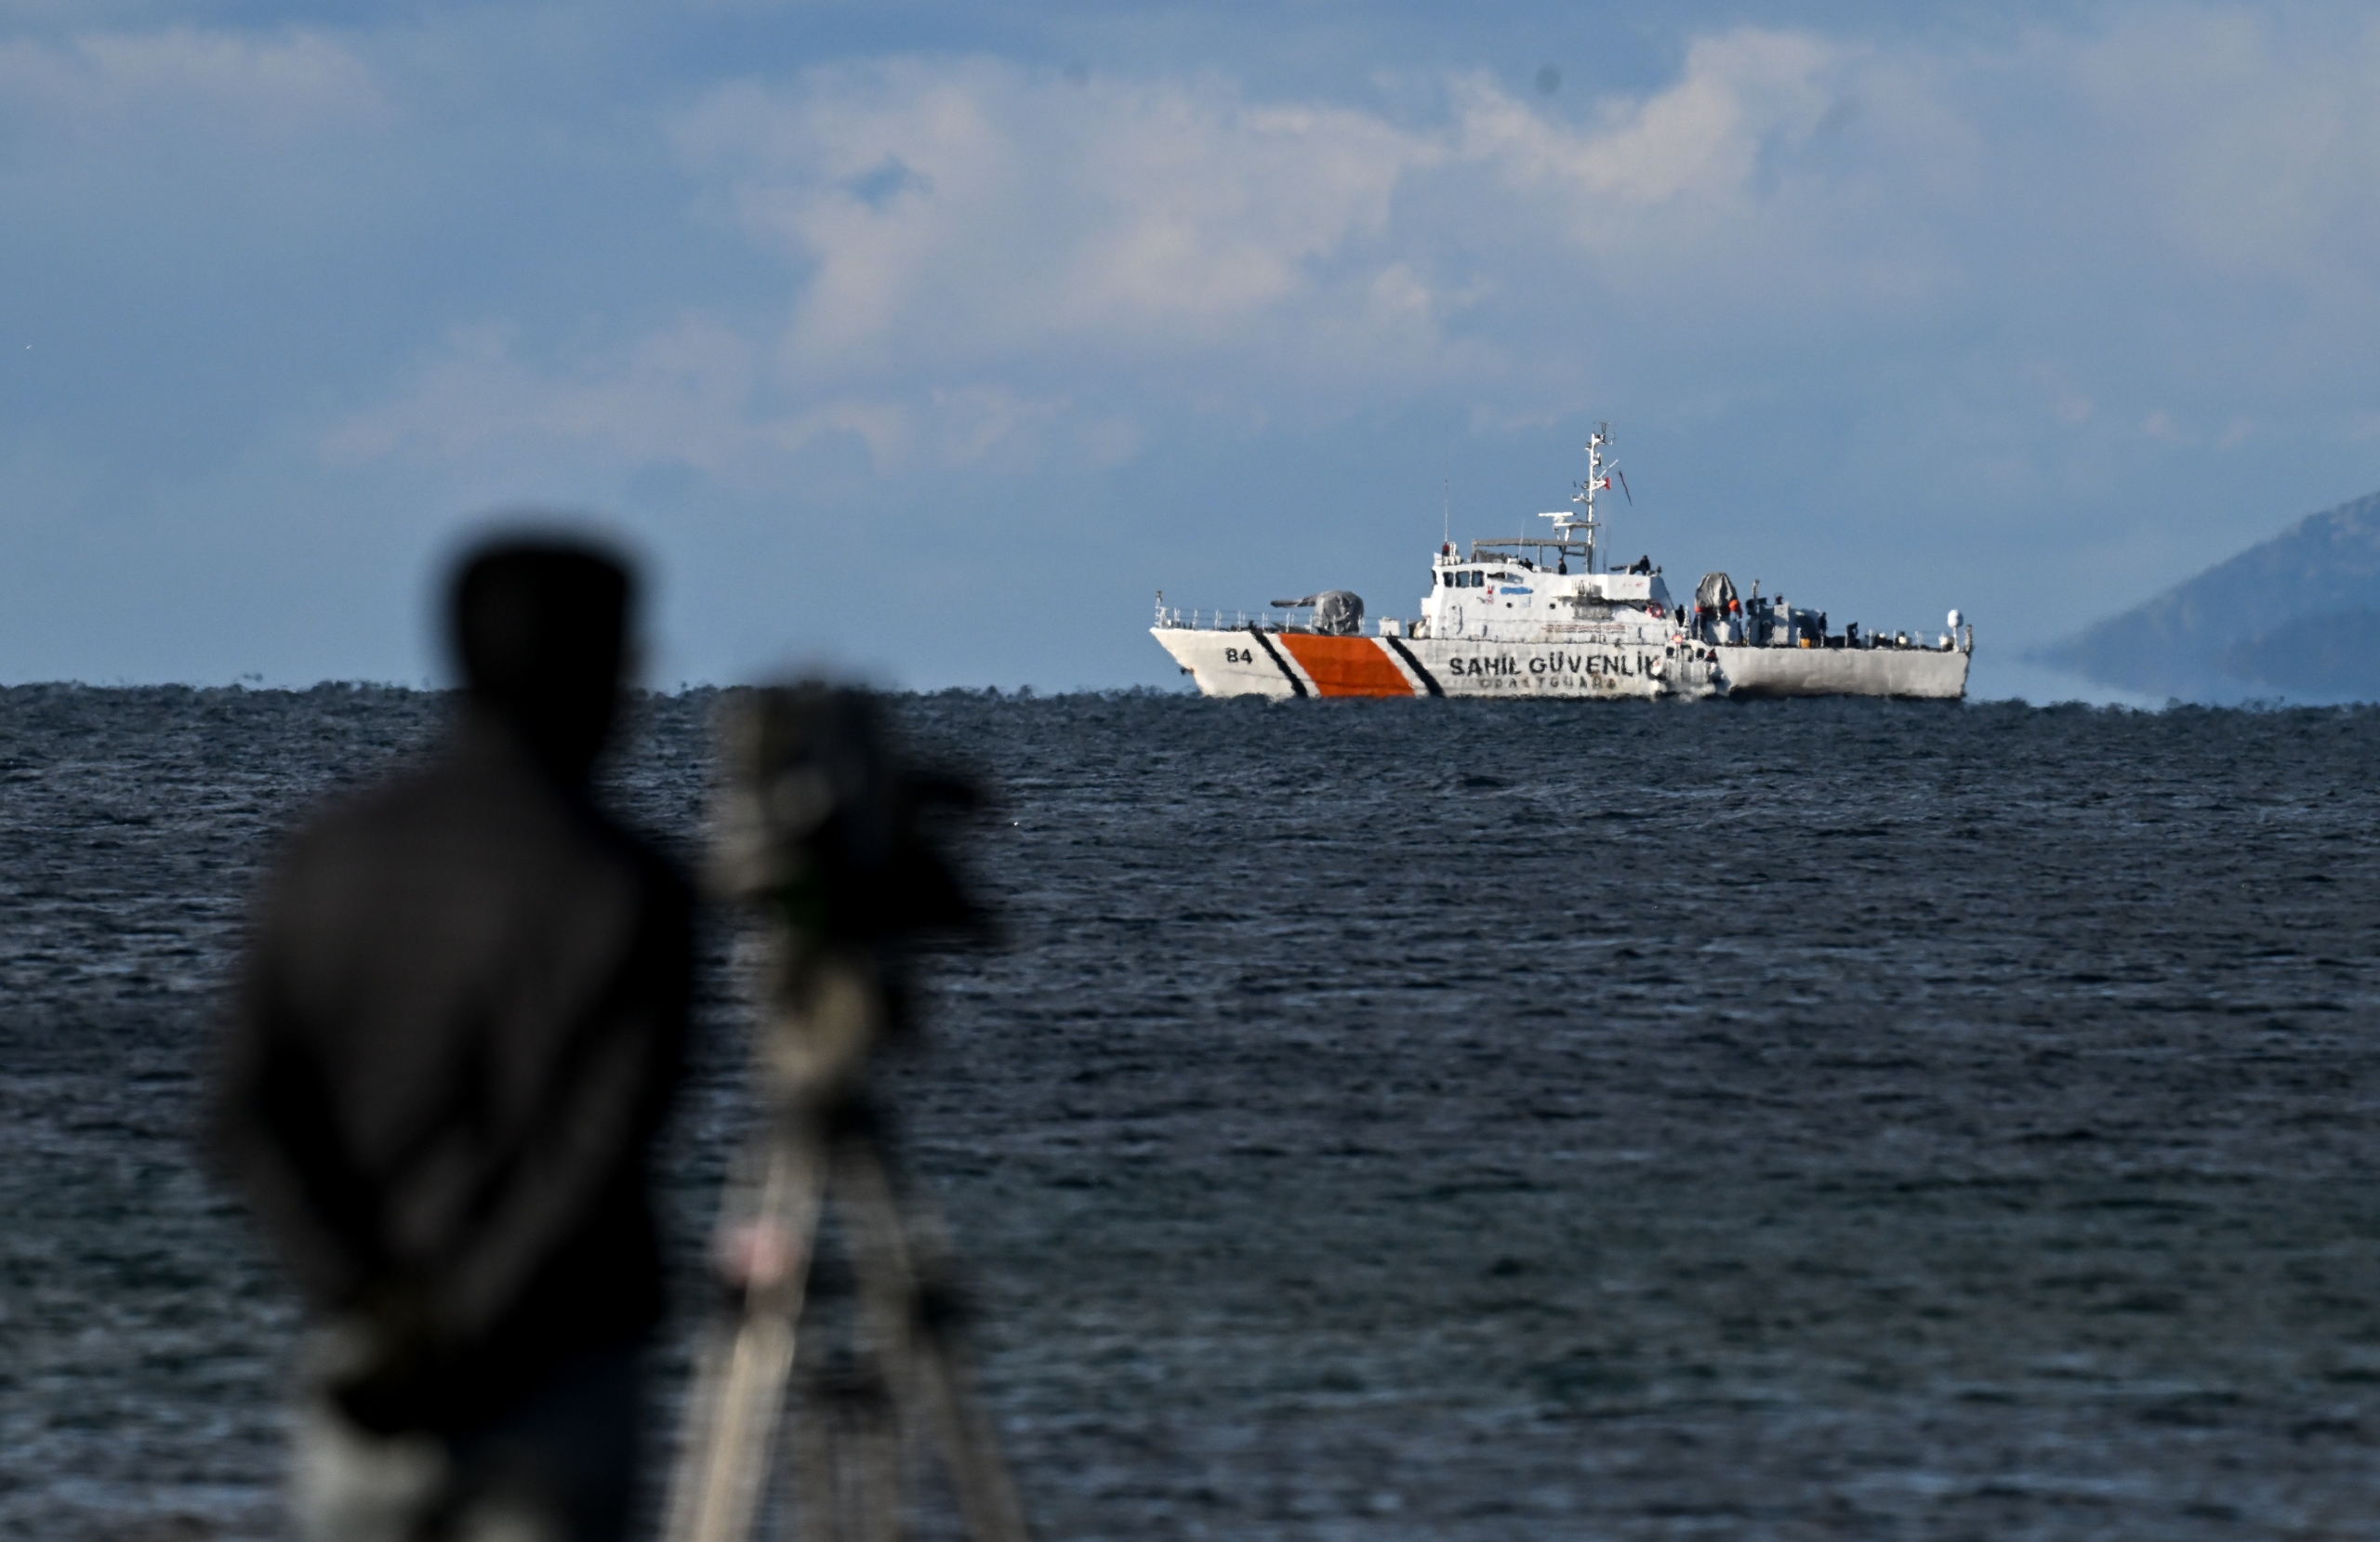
<point x="817" y="823"/>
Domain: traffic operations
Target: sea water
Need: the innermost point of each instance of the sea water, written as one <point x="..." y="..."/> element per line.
<point x="1405" y="1120"/>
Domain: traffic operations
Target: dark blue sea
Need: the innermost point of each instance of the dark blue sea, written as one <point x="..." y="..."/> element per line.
<point x="1413" y="1120"/>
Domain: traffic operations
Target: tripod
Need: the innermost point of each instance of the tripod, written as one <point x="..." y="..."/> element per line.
<point x="807" y="788"/>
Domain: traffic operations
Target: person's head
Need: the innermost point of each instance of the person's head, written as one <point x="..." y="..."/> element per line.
<point x="540" y="627"/>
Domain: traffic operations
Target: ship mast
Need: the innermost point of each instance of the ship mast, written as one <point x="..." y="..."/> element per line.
<point x="1598" y="479"/>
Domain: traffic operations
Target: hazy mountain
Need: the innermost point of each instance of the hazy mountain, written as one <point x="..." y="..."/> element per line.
<point x="2297" y="617"/>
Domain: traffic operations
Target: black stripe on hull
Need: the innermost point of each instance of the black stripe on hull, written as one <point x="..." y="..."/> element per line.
<point x="1279" y="661"/>
<point x="1429" y="681"/>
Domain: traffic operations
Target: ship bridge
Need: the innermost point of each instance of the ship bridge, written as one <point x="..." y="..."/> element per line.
<point x="1527" y="588"/>
<point x="1522" y="589"/>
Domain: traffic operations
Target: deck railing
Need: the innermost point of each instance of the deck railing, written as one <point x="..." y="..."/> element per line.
<point x="1199" y="620"/>
<point x="1224" y="621"/>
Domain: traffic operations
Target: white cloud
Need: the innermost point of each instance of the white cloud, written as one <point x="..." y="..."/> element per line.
<point x="191" y="157"/>
<point x="990" y="265"/>
<point x="981" y="207"/>
<point x="195" y="81"/>
<point x="944" y="211"/>
<point x="695" y="394"/>
<point x="2256" y="149"/>
<point x="1699" y="142"/>
<point x="956" y="230"/>
<point x="681" y="393"/>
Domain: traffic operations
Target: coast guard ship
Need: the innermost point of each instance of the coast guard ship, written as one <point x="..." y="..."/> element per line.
<point x="1530" y="615"/>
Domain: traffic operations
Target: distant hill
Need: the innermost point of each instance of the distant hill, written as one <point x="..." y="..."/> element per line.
<point x="2296" y="618"/>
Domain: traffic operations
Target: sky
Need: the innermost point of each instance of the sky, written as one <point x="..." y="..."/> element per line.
<point x="926" y="342"/>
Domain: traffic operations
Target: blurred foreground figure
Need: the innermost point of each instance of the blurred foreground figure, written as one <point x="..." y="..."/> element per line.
<point x="460" y="1021"/>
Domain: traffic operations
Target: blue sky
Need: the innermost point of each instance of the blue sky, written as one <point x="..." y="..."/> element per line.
<point x="929" y="340"/>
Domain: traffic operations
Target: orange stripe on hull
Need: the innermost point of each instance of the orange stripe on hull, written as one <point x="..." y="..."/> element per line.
<point x="1346" y="666"/>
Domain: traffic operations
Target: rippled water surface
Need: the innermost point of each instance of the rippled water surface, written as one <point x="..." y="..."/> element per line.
<point x="1413" y="1120"/>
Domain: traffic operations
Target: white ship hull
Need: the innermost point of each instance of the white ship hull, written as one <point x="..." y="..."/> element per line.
<point x="1261" y="662"/>
<point x="1934" y="673"/>
<point x="1252" y="662"/>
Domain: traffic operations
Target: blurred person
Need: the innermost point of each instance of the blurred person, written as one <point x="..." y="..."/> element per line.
<point x="458" y="1024"/>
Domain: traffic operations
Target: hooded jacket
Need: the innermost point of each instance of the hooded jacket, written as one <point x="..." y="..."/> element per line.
<point x="460" y="1019"/>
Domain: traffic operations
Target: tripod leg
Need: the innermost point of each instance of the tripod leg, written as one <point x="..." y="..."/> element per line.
<point x="813" y="1449"/>
<point x="872" y="1439"/>
<point x="923" y="1346"/>
<point x="847" y="1455"/>
<point x="739" y="1386"/>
